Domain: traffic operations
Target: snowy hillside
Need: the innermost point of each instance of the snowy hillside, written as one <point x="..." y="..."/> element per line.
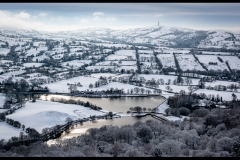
<point x="151" y="35"/>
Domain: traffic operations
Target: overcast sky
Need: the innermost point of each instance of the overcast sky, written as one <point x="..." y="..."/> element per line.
<point x="73" y="16"/>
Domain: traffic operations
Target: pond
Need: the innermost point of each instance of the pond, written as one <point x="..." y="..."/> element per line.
<point x="119" y="104"/>
<point x="82" y="128"/>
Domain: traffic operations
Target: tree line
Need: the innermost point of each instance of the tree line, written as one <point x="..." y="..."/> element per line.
<point x="206" y="133"/>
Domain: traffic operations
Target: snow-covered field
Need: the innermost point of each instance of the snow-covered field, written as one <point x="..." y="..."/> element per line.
<point x="5" y="61"/>
<point x="2" y="99"/>
<point x="122" y="63"/>
<point x="8" y="131"/>
<point x="107" y="50"/>
<point x="34" y="51"/>
<point x="62" y="87"/>
<point x="125" y="87"/>
<point x="225" y="83"/>
<point x="217" y="40"/>
<point x="148" y="52"/>
<point x="134" y="68"/>
<point x="98" y="75"/>
<point x="99" y="67"/>
<point x="111" y="45"/>
<point x="13" y="73"/>
<point x="59" y="49"/>
<point x="76" y="49"/>
<point x="33" y="64"/>
<point x="46" y="114"/>
<point x="166" y="78"/>
<point x="205" y="59"/>
<point x="76" y="63"/>
<point x="122" y="55"/>
<point x="146" y="57"/>
<point x="233" y="61"/>
<point x="187" y="61"/>
<point x="167" y="60"/>
<point x="227" y="96"/>
<point x="32" y="75"/>
<point x="40" y="58"/>
<point x="42" y="114"/>
<point x="215" y="53"/>
<point x="4" y="51"/>
<point x="3" y="78"/>
<point x="116" y="68"/>
<point x="175" y="88"/>
<point x="14" y="41"/>
<point x="123" y="75"/>
<point x="58" y="56"/>
<point x="149" y="65"/>
<point x="39" y="43"/>
<point x="172" y="50"/>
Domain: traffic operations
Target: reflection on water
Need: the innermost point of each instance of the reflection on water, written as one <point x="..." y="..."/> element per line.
<point x="120" y="104"/>
<point x="80" y="129"/>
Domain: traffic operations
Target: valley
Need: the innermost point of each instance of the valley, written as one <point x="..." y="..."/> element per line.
<point x="38" y="70"/>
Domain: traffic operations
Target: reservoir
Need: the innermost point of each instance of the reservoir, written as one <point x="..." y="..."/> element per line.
<point x="80" y="129"/>
<point x="119" y="104"/>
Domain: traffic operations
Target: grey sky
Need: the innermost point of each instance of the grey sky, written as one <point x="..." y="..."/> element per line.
<point x="73" y="16"/>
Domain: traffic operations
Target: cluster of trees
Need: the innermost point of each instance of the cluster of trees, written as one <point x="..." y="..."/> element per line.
<point x="166" y="70"/>
<point x="2" y="116"/>
<point x="220" y="59"/>
<point x="114" y="91"/>
<point x="206" y="133"/>
<point x="179" y="70"/>
<point x="217" y="88"/>
<point x="183" y="100"/>
<point x="229" y="67"/>
<point x="77" y="102"/>
<point x="101" y="81"/>
<point x="158" y="61"/>
<point x="213" y="63"/>
<point x="177" y="112"/>
<point x="12" y="54"/>
<point x="12" y="91"/>
<point x="50" y="62"/>
<point x="32" y="133"/>
<point x="67" y="47"/>
<point x="138" y="62"/>
<point x="4" y="46"/>
<point x="21" y="140"/>
<point x="14" y="123"/>
<point x="152" y="83"/>
<point x="147" y="59"/>
<point x="138" y="90"/>
<point x="149" y="71"/>
<point x="179" y="80"/>
<point x="72" y="88"/>
<point x="230" y="87"/>
<point x="191" y="102"/>
<point x="139" y="109"/>
<point x="50" y="44"/>
<point x="180" y="42"/>
<point x="201" y="83"/>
